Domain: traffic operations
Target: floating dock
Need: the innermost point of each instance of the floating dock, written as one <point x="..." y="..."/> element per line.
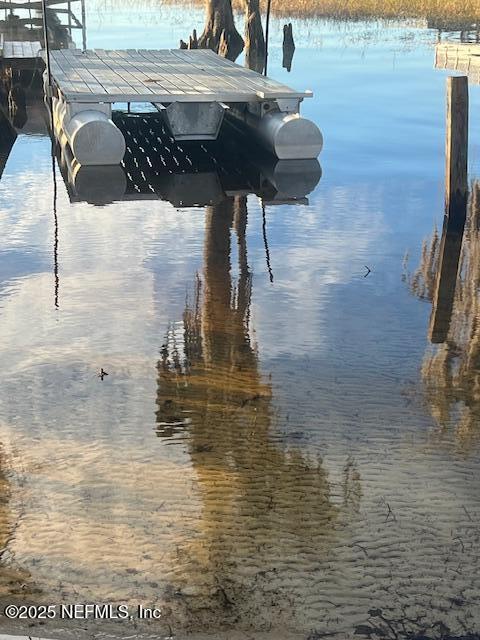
<point x="194" y="89"/>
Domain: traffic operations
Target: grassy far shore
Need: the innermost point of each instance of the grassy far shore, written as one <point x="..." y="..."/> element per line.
<point x="452" y="15"/>
<point x="438" y="11"/>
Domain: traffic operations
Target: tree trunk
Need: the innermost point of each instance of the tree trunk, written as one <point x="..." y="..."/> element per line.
<point x="220" y="28"/>
<point x="254" y="38"/>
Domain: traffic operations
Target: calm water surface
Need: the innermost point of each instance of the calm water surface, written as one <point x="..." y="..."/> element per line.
<point x="278" y="450"/>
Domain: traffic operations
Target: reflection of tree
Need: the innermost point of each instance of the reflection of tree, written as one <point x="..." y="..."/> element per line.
<point x="15" y="584"/>
<point x="451" y="370"/>
<point x="267" y="514"/>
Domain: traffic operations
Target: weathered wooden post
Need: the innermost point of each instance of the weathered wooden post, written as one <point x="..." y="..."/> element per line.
<point x="456" y="186"/>
<point x="456" y="199"/>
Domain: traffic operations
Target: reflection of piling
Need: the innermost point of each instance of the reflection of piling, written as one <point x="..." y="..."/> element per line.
<point x="444" y="294"/>
<point x="456" y="197"/>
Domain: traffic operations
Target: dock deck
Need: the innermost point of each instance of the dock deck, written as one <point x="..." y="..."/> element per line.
<point x="160" y="76"/>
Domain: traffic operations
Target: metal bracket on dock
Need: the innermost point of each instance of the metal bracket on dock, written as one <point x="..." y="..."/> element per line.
<point x="195" y="120"/>
<point x="264" y="107"/>
<point x="289" y="105"/>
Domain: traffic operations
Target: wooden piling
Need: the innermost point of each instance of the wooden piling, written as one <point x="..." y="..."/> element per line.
<point x="456" y="179"/>
<point x="456" y="199"/>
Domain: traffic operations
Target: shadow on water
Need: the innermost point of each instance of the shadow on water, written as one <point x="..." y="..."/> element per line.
<point x="449" y="277"/>
<point x="267" y="514"/>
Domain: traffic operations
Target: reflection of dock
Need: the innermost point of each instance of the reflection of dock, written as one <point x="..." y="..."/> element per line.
<point x="186" y="174"/>
<point x="464" y="58"/>
<point x="446" y="282"/>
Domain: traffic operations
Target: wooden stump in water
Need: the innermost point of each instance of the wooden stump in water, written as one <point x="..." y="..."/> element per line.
<point x="288" y="46"/>
<point x="254" y="38"/>
<point x="220" y="30"/>
<point x="192" y="41"/>
<point x="225" y="47"/>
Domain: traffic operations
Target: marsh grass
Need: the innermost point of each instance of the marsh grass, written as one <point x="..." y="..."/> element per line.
<point x="441" y="13"/>
<point x="436" y="11"/>
<point x="467" y="11"/>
